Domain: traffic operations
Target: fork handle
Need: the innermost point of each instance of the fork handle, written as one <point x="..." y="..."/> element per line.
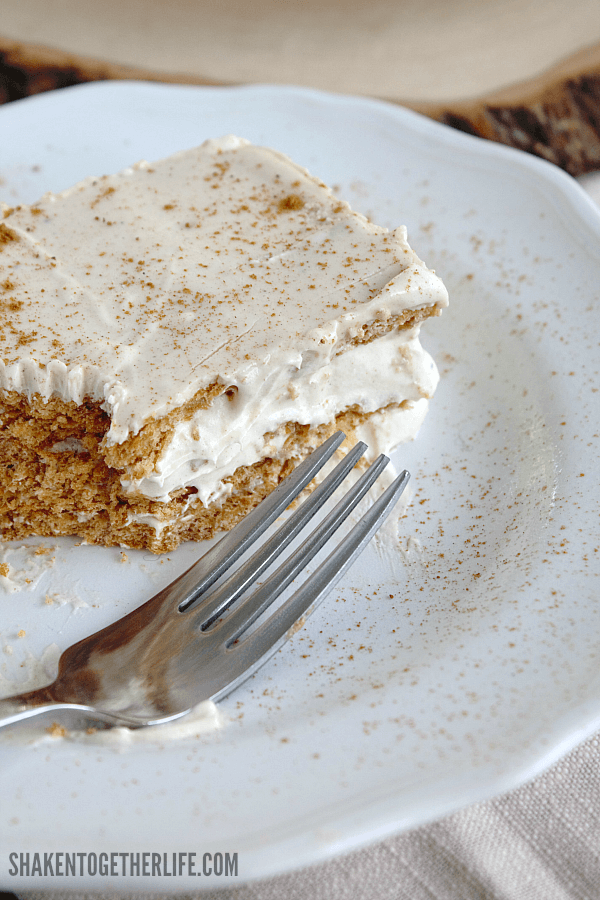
<point x="15" y="709"/>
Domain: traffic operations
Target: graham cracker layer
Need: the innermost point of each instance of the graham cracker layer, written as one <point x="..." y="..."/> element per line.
<point x="57" y="478"/>
<point x="405" y="320"/>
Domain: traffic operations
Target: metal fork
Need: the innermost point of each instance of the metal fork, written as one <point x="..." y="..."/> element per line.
<point x="155" y="664"/>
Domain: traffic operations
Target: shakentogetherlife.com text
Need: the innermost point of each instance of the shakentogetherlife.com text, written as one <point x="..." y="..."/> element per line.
<point x="122" y="865"/>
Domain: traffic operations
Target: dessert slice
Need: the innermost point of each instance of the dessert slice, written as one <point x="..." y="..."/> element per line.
<point x="174" y="338"/>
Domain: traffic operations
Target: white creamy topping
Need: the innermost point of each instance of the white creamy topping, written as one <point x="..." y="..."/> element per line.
<point x="215" y="441"/>
<point x="227" y="263"/>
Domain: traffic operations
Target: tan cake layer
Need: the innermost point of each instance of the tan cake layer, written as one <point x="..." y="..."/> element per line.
<point x="54" y="479"/>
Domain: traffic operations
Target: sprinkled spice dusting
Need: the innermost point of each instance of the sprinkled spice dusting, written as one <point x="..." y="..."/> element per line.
<point x="7" y="235"/>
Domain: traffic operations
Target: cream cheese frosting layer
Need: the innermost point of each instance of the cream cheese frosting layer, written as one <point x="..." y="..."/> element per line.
<point x="214" y="442"/>
<point x="225" y="263"/>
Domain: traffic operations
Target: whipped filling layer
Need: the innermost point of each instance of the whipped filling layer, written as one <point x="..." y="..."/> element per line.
<point x="225" y="264"/>
<point x="214" y="442"/>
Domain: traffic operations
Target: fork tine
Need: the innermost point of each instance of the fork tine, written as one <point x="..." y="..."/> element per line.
<point x="228" y="592"/>
<point x="262" y="598"/>
<point x="269" y="637"/>
<point x="189" y="587"/>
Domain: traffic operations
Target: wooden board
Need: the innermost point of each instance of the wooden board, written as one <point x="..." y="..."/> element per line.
<point x="461" y="62"/>
<point x="555" y="116"/>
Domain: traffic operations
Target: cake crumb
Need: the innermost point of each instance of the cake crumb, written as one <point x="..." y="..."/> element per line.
<point x="56" y="730"/>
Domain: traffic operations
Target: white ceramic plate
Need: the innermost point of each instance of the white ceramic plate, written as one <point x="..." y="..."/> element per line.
<point x="461" y="657"/>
